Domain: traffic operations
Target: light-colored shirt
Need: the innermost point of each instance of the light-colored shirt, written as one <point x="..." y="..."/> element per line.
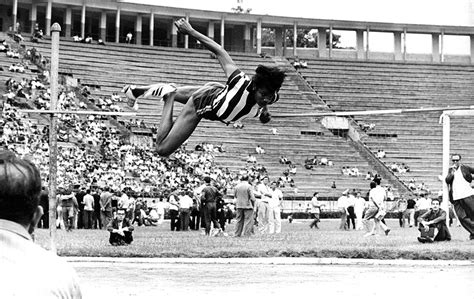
<point x="377" y="195"/>
<point x="88" y="202"/>
<point x="461" y="187"/>
<point x="185" y="202"/>
<point x="263" y="189"/>
<point x="423" y="203"/>
<point x="350" y="201"/>
<point x="315" y="205"/>
<point x="359" y="204"/>
<point x="124" y="201"/>
<point x="342" y="202"/>
<point x="20" y="258"/>
<point x="173" y="203"/>
<point x="274" y="201"/>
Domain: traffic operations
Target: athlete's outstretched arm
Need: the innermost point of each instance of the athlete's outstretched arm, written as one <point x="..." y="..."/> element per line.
<point x="228" y="65"/>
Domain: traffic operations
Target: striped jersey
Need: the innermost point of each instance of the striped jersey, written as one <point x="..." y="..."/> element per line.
<point x="233" y="103"/>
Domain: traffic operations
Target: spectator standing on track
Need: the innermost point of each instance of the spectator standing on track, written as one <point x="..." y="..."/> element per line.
<point x="376" y="210"/>
<point x="68" y="205"/>
<point x="315" y="211"/>
<point x="208" y="200"/>
<point x="185" y="204"/>
<point x="275" y="209"/>
<point x="410" y="211"/>
<point x="263" y="211"/>
<point x="244" y="204"/>
<point x="350" y="210"/>
<point x="174" y="212"/>
<point x="461" y="195"/>
<point x="88" y="200"/>
<point x="106" y="207"/>
<point x="97" y="219"/>
<point x="359" y="207"/>
<point x="423" y="205"/>
<point x="342" y="207"/>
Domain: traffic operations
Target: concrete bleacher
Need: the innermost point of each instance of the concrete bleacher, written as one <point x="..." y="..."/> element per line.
<point x="414" y="139"/>
<point x="109" y="68"/>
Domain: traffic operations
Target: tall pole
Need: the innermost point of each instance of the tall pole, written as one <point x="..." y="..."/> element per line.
<point x="15" y="14"/>
<point x="446" y="119"/>
<point x="295" y="38"/>
<point x="53" y="141"/>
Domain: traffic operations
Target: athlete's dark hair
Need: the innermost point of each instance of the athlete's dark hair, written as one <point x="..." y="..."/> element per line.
<point x="269" y="77"/>
<point x="265" y="117"/>
<point x="20" y="187"/>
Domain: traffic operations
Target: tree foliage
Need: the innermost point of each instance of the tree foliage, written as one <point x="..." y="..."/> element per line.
<point x="305" y="38"/>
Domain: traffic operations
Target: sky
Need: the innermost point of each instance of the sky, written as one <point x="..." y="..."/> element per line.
<point x="432" y="12"/>
<point x="440" y="12"/>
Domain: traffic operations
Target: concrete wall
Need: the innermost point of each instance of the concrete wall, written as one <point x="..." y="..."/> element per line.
<point x="352" y="54"/>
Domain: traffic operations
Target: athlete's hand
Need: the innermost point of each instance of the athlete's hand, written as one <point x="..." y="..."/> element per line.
<point x="183" y="26"/>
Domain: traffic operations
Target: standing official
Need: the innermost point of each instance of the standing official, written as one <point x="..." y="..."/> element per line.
<point x="244" y="204"/>
<point x="208" y="199"/>
<point x="274" y="205"/>
<point x="461" y="195"/>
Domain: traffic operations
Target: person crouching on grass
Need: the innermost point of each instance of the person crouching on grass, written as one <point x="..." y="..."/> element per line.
<point x="120" y="229"/>
<point x="432" y="224"/>
<point x="240" y="98"/>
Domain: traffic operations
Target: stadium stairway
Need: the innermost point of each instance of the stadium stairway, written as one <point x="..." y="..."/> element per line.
<point x="413" y="139"/>
<point x="107" y="68"/>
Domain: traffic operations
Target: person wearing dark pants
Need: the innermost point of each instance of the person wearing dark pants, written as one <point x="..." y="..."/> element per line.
<point x="433" y="226"/>
<point x="195" y="215"/>
<point x="244" y="204"/>
<point x="221" y="213"/>
<point x="350" y="210"/>
<point x="185" y="205"/>
<point x="209" y="197"/>
<point x="120" y="229"/>
<point x="315" y="211"/>
<point x="461" y="195"/>
<point x="174" y="217"/>
<point x="44" y="203"/>
<point x="174" y="213"/>
<point x="96" y="219"/>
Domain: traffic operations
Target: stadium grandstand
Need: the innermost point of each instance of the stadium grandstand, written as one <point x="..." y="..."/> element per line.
<point x="346" y="152"/>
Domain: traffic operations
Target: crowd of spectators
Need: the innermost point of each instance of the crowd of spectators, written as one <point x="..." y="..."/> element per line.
<point x="399" y="167"/>
<point x="350" y="171"/>
<point x="96" y="158"/>
<point x="310" y="163"/>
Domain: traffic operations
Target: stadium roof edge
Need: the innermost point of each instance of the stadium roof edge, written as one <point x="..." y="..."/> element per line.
<point x="267" y="20"/>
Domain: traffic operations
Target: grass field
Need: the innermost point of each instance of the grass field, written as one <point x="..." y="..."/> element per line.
<point x="296" y="240"/>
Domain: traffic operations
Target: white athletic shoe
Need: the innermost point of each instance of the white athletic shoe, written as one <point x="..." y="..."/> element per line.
<point x="132" y="100"/>
<point x="158" y="91"/>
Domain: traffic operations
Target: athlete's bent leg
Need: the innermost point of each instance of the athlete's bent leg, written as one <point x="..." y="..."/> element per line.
<point x="172" y="134"/>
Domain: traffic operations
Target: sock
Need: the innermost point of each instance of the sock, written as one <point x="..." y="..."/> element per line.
<point x="137" y="92"/>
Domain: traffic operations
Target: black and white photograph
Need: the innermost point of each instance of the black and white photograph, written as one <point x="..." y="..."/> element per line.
<point x="236" y="149"/>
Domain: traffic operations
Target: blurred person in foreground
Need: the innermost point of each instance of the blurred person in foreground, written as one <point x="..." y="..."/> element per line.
<point x="20" y="257"/>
